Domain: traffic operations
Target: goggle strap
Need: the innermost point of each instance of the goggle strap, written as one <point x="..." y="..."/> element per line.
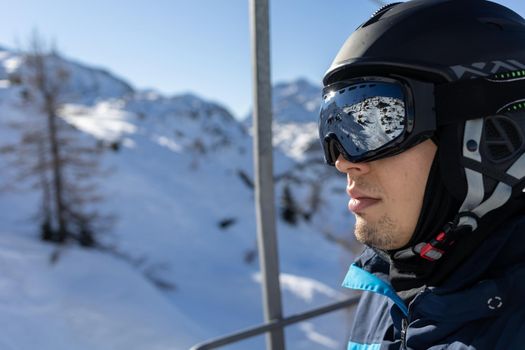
<point x="475" y="189"/>
<point x="467" y="99"/>
<point x="473" y="202"/>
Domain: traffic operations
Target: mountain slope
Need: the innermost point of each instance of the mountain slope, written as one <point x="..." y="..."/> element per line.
<point x="86" y="300"/>
<point x="181" y="187"/>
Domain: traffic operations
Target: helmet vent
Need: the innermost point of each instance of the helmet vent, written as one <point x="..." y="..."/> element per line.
<point x="376" y="16"/>
<point x="503" y="138"/>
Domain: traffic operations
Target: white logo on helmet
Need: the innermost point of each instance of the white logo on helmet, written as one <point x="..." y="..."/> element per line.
<point x="483" y="69"/>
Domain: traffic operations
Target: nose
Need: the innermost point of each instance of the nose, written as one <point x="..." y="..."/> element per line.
<point x="350" y="168"/>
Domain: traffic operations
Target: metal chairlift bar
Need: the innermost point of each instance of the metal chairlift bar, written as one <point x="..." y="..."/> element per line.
<point x="263" y="169"/>
<point x="275" y="324"/>
<point x="263" y="149"/>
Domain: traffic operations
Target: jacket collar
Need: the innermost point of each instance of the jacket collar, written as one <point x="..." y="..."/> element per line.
<point x="482" y="286"/>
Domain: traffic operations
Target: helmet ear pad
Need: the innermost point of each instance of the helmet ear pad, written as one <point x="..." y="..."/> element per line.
<point x="502" y="143"/>
<point x="504" y="139"/>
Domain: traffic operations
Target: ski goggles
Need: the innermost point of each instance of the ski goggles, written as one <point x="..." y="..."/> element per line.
<point x="374" y="117"/>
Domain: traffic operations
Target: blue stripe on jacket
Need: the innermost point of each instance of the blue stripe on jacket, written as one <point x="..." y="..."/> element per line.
<point x="357" y="346"/>
<point x="359" y="279"/>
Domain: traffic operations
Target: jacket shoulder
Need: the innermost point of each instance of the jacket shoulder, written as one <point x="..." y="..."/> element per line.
<point x="373" y="324"/>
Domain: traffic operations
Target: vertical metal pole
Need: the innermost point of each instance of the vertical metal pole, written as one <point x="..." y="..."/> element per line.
<point x="263" y="163"/>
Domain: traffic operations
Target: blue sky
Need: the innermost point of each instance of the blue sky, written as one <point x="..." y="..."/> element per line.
<point x="199" y="46"/>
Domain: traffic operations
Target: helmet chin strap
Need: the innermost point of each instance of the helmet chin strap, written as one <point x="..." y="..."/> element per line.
<point x="473" y="207"/>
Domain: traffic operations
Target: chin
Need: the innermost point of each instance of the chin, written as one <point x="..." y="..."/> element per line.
<point x="382" y="233"/>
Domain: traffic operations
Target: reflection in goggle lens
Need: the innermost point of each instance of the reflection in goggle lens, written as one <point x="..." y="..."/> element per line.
<point x="363" y="117"/>
<point x="382" y="120"/>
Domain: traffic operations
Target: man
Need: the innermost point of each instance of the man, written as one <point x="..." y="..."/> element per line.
<point x="424" y="110"/>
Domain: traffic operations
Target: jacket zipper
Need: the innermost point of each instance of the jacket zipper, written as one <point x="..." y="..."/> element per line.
<point x="404" y="327"/>
<point x="404" y="321"/>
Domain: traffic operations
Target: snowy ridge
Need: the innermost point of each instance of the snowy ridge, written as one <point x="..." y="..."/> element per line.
<point x="294" y="102"/>
<point x="295" y="113"/>
<point x="83" y="84"/>
<point x="182" y="191"/>
<point x="296" y="109"/>
<point x="298" y="101"/>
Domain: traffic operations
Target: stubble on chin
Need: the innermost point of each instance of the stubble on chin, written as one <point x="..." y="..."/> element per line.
<point x="379" y="235"/>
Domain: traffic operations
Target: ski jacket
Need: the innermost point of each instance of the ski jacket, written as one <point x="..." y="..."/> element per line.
<point x="480" y="306"/>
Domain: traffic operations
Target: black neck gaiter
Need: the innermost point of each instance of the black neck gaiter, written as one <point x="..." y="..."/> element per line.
<point x="408" y="271"/>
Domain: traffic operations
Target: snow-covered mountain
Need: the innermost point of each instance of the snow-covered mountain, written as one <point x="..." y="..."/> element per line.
<point x="296" y="102"/>
<point x="81" y="84"/>
<point x="295" y="113"/>
<point x="181" y="189"/>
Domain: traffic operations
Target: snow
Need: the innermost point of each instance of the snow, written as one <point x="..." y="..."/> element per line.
<point x="303" y="287"/>
<point x="297" y="101"/>
<point x="309" y="329"/>
<point x="181" y="172"/>
<point x="169" y="143"/>
<point x="295" y="111"/>
<point x="104" y="121"/>
<point x="11" y="64"/>
<point x="85" y="300"/>
<point x="294" y="139"/>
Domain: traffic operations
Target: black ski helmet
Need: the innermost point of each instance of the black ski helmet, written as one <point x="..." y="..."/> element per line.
<point x="473" y="52"/>
<point x="440" y="40"/>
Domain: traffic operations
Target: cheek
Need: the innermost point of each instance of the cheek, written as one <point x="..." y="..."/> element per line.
<point x="404" y="196"/>
<point x="403" y="188"/>
<point x="416" y="184"/>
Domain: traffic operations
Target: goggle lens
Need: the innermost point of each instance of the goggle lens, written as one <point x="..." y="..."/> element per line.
<point x="361" y="118"/>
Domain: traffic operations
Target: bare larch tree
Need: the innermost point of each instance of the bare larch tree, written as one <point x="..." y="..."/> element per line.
<point x="52" y="155"/>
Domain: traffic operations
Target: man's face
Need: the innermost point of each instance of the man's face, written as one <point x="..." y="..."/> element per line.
<point x="387" y="195"/>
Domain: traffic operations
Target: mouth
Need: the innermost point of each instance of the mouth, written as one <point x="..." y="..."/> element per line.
<point x="358" y="205"/>
<point x="360" y="201"/>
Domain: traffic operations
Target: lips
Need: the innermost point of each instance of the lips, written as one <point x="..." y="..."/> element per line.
<point x="357" y="205"/>
<point x="359" y="201"/>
